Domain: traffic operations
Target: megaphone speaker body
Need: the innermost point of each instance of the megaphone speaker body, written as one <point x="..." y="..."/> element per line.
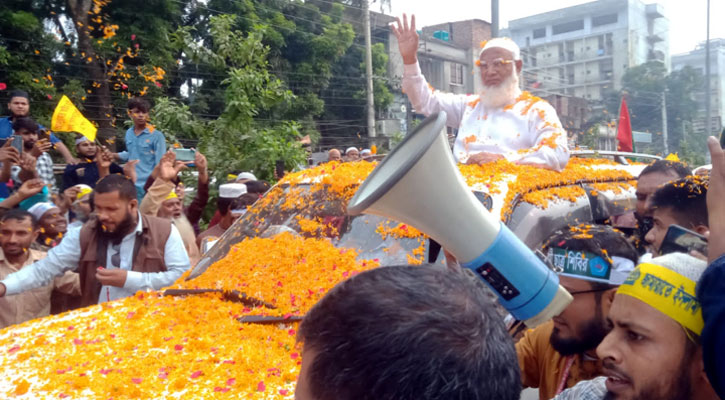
<point x="419" y="184"/>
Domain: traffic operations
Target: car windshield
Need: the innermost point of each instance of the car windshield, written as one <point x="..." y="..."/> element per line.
<point x="322" y="214"/>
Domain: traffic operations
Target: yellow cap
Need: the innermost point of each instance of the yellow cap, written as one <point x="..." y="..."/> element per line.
<point x="83" y="190"/>
<point x="171" y="195"/>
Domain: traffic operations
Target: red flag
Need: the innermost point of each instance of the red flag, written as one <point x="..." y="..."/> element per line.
<point x="624" y="129"/>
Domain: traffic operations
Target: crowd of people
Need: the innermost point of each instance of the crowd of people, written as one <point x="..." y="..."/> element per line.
<point x="647" y="323"/>
<point x="105" y="230"/>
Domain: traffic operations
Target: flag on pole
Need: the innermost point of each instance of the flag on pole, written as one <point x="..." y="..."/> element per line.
<point x="67" y="118"/>
<point x="624" y="129"/>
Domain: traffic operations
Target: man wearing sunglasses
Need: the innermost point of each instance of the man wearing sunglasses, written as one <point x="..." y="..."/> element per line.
<point x="501" y="122"/>
<point x="593" y="261"/>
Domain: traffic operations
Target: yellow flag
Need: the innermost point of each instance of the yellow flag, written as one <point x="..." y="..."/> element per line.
<point x="67" y="118"/>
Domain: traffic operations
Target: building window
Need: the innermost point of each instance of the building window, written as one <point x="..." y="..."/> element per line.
<point x="568" y="27"/>
<point x="604" y="20"/>
<point x="539" y="33"/>
<point x="457" y="74"/>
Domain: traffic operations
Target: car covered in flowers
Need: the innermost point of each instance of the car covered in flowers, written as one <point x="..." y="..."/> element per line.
<point x="227" y="328"/>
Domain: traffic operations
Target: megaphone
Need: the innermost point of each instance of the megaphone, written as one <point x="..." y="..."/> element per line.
<point x="399" y="189"/>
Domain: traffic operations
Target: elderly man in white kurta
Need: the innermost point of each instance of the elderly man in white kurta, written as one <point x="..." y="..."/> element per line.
<point x="501" y="121"/>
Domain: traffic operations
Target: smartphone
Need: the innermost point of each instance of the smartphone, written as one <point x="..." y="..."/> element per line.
<point x="17" y="142"/>
<point x="185" y="154"/>
<point x="279" y="169"/>
<point x="682" y="240"/>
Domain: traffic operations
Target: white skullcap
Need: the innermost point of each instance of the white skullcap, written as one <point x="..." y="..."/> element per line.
<point x="232" y="190"/>
<point x="246" y="175"/>
<point x="502" y="43"/>
<point x="349" y="149"/>
<point x="39" y="209"/>
<point x="81" y="140"/>
<point x="684" y="264"/>
<point x="366" y="152"/>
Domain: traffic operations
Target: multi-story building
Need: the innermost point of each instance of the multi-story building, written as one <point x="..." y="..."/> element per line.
<point x="584" y="50"/>
<point x="696" y="60"/>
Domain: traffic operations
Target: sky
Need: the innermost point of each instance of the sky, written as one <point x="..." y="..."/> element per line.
<point x="687" y="17"/>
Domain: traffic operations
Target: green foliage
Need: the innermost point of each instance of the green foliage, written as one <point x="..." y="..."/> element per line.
<point x="237" y="140"/>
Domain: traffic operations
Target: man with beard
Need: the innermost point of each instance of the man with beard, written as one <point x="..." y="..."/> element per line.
<point x="653" y="350"/>
<point x="653" y="176"/>
<point x="35" y="149"/>
<point x="19" y="106"/>
<point x="121" y="251"/>
<point x="162" y="200"/>
<point x="18" y="230"/>
<point x="86" y="172"/>
<point x="594" y="260"/>
<point x="502" y="122"/>
<point x="79" y="197"/>
<point x="52" y="225"/>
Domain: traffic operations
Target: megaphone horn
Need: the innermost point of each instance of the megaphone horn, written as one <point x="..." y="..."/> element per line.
<point x="399" y="188"/>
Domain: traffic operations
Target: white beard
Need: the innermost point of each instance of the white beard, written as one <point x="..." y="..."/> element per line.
<point x="503" y="94"/>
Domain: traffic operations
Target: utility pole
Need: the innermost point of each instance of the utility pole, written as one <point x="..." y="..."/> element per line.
<point x="664" y="122"/>
<point x="708" y="111"/>
<point x="369" y="70"/>
<point x="494" y="18"/>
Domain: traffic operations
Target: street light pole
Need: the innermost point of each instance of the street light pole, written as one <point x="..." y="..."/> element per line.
<point x="494" y="18"/>
<point x="370" y="101"/>
<point x="708" y="111"/>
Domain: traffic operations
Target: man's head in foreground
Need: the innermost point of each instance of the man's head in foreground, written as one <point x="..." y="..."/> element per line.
<point x="653" y="351"/>
<point x="595" y="260"/>
<point x="682" y="202"/>
<point x="500" y="65"/>
<point x="407" y="333"/>
<point x="115" y="204"/>
<point x="18" y="230"/>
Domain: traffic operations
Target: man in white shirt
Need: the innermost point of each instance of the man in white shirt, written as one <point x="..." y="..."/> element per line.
<point x="116" y="254"/>
<point x="501" y="122"/>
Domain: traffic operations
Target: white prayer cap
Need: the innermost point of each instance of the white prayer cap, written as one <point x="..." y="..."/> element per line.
<point x="232" y="190"/>
<point x="246" y="176"/>
<point x="502" y="43"/>
<point x="366" y="152"/>
<point x="81" y="140"/>
<point x="39" y="209"/>
<point x="349" y="149"/>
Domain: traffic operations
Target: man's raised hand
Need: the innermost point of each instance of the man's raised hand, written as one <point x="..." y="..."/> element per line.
<point x="407" y="39"/>
<point x="715" y="205"/>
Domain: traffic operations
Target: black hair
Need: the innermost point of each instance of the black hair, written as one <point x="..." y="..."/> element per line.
<point x="139" y="103"/>
<point x="247" y="199"/>
<point x="223" y="204"/>
<point x="686" y="198"/>
<point x="19" y="215"/>
<point x="258" y="187"/>
<point x="19" y="93"/>
<point x="667" y="167"/>
<point x="602" y="240"/>
<point x="409" y="332"/>
<point x="25" y="123"/>
<point x="116" y="182"/>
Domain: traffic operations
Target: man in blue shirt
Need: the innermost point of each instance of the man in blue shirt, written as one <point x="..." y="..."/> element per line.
<point x="19" y="106"/>
<point x="86" y="171"/>
<point x="143" y="143"/>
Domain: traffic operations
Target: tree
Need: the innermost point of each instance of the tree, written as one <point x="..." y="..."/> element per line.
<point x="237" y="140"/>
<point x="644" y="86"/>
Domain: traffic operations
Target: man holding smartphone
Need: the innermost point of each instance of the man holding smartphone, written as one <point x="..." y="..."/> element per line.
<point x="681" y="202"/>
<point x="19" y="106"/>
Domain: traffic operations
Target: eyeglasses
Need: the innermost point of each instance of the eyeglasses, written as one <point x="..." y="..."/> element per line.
<point x="496" y="63"/>
<point x="573" y="293"/>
